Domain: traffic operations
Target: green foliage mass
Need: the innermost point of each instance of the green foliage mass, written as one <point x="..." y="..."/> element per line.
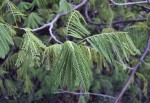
<point x="35" y="67"/>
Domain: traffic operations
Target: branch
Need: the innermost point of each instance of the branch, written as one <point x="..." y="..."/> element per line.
<point x="144" y="8"/>
<point x="134" y="71"/>
<point x="95" y="94"/>
<point x="51" y="24"/>
<point x="87" y="16"/>
<point x="81" y="4"/>
<point x="129" y="3"/>
<point x="129" y="21"/>
<point x="114" y="22"/>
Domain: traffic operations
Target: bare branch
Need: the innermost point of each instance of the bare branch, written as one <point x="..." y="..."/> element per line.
<point x="134" y="71"/>
<point x="129" y="21"/>
<point x="81" y="4"/>
<point x="129" y="3"/>
<point x="126" y="21"/>
<point x="87" y="93"/>
<point x="144" y="7"/>
<point x="116" y="22"/>
<point x="87" y="16"/>
<point x="50" y="25"/>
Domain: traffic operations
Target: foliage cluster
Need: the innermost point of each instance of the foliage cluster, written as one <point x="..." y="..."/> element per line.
<point x="90" y="57"/>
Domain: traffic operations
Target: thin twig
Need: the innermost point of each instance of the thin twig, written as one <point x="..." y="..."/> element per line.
<point x="129" y="21"/>
<point x="81" y="93"/>
<point x="129" y="3"/>
<point x="51" y="24"/>
<point x="81" y="4"/>
<point x="119" y="21"/>
<point x="87" y="16"/>
<point x="113" y="23"/>
<point x="134" y="71"/>
<point x="145" y="8"/>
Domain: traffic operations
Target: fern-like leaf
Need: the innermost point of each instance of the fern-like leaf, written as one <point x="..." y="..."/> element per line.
<point x="11" y="88"/>
<point x="31" y="49"/>
<point x="2" y="71"/>
<point x="145" y="82"/>
<point x="72" y="68"/>
<point x="43" y="3"/>
<point x="6" y="33"/>
<point x="114" y="46"/>
<point x="10" y="62"/>
<point x="1" y="20"/>
<point x="64" y="6"/>
<point x="7" y="87"/>
<point x="139" y="34"/>
<point x="74" y="26"/>
<point x="28" y="58"/>
<point x="106" y="10"/>
<point x="94" y="57"/>
<point x="28" y="85"/>
<point x="33" y="20"/>
<point x="23" y="6"/>
<point x="17" y="41"/>
<point x="51" y="55"/>
<point x="10" y="9"/>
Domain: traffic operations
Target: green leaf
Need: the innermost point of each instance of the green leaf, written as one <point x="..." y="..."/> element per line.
<point x="145" y="82"/>
<point x="40" y="3"/>
<point x="2" y="88"/>
<point x="106" y="10"/>
<point x="23" y="6"/>
<point x="114" y="46"/>
<point x="7" y="87"/>
<point x="2" y="71"/>
<point x="72" y="68"/>
<point x="28" y="85"/>
<point x="11" y="88"/>
<point x="139" y="34"/>
<point x="1" y="20"/>
<point x="6" y="33"/>
<point x="33" y="20"/>
<point x="9" y="63"/>
<point x="10" y="9"/>
<point x="64" y="6"/>
<point x="31" y="49"/>
<point x="81" y="99"/>
<point x="74" y="26"/>
<point x="51" y="54"/>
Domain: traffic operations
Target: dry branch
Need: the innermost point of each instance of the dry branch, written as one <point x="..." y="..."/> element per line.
<point x="129" y="3"/>
<point x="87" y="93"/>
<point x="134" y="69"/>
